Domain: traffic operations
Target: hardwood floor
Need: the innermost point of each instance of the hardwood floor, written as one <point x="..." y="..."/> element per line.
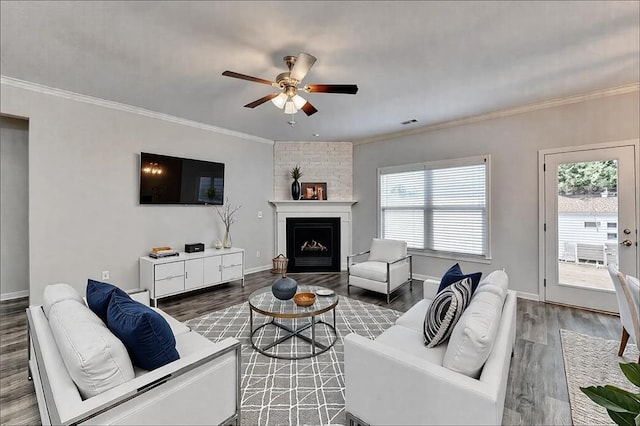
<point x="536" y="391"/>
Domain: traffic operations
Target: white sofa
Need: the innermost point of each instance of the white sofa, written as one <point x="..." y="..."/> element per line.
<point x="396" y="380"/>
<point x="202" y="387"/>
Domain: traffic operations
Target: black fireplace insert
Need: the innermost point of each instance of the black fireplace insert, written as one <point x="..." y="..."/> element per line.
<point x="313" y="244"/>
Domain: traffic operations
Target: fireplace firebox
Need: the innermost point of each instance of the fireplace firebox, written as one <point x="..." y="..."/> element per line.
<point x="313" y="244"/>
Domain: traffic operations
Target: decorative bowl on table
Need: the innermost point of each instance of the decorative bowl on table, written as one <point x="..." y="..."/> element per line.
<point x="304" y="299"/>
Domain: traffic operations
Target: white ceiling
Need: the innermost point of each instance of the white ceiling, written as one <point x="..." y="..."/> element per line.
<point x="429" y="61"/>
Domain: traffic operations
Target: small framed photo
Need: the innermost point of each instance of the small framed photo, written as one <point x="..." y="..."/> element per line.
<point x="314" y="191"/>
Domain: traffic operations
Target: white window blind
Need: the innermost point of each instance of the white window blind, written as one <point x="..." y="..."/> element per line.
<point x="439" y="207"/>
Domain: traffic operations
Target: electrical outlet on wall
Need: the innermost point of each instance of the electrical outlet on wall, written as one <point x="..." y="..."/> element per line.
<point x="258" y="253"/>
<point x="105" y="275"/>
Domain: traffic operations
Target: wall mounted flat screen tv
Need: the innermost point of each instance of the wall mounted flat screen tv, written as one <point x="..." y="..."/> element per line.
<point x="174" y="180"/>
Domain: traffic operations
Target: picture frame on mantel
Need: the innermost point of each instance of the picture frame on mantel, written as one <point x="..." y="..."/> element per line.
<point x="314" y="191"/>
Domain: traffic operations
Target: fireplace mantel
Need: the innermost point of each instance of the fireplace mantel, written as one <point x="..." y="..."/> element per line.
<point x="314" y="208"/>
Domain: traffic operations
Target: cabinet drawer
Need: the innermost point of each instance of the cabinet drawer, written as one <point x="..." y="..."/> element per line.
<point x="231" y="266"/>
<point x="229" y="260"/>
<point x="231" y="273"/>
<point x="169" y="286"/>
<point x="169" y="270"/>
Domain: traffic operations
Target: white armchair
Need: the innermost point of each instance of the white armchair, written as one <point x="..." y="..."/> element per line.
<point x="387" y="268"/>
<point x="627" y="293"/>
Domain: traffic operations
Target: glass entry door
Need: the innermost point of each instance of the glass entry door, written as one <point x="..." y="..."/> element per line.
<point x="590" y="220"/>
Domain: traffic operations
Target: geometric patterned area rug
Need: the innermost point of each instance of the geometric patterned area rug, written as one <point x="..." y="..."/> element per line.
<point x="302" y="392"/>
<point x="592" y="361"/>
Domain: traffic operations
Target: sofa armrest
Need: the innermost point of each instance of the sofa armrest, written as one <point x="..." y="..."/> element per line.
<point x="385" y="385"/>
<point x="349" y="256"/>
<point x="430" y="288"/>
<point x="155" y="388"/>
<point x="407" y="257"/>
<point x="203" y="387"/>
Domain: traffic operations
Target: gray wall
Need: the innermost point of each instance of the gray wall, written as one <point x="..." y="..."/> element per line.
<point x="84" y="214"/>
<point x="14" y="208"/>
<point x="513" y="143"/>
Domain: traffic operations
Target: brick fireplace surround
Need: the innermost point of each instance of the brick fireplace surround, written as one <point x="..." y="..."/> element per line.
<point x="330" y="162"/>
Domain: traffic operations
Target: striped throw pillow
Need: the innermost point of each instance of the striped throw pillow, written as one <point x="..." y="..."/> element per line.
<point x="445" y="311"/>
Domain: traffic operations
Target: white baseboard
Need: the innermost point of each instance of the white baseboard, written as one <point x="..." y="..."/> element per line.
<point x="520" y="294"/>
<point x="528" y="296"/>
<point x="14" y="295"/>
<point x="258" y="269"/>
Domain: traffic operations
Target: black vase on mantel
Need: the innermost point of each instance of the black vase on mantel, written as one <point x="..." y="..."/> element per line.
<point x="295" y="189"/>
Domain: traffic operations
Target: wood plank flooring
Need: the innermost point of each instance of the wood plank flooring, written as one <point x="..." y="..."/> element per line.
<point x="536" y="391"/>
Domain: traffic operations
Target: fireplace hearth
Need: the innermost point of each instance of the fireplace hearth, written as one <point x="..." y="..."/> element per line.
<point x="313" y="244"/>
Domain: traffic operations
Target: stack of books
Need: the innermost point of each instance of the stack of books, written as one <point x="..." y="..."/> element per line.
<point x="160" y="252"/>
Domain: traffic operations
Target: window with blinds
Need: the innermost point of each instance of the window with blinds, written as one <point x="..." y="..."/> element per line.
<point x="438" y="206"/>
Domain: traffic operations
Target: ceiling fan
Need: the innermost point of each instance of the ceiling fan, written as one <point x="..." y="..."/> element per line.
<point x="289" y="99"/>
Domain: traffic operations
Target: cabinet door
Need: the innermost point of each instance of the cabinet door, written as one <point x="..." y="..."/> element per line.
<point x="232" y="266"/>
<point x="193" y="273"/>
<point x="212" y="270"/>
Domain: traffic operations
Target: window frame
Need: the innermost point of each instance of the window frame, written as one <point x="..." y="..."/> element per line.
<point x="442" y="164"/>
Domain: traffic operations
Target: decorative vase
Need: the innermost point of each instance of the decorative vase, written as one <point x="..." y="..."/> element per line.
<point x="284" y="288"/>
<point x="295" y="189"/>
<point x="226" y="242"/>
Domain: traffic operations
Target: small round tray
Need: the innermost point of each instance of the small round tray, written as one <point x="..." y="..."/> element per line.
<point x="304" y="299"/>
<point x="325" y="292"/>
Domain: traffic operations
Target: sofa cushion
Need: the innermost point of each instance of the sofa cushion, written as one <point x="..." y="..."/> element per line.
<point x="384" y="250"/>
<point x="144" y="332"/>
<point x="177" y="327"/>
<point x="377" y="271"/>
<point x="54" y="293"/>
<point x="445" y="311"/>
<point x="99" y="295"/>
<point x="95" y="359"/>
<point x="454" y="274"/>
<point x="473" y="336"/>
<point x="496" y="282"/>
<point x="414" y="317"/>
<point x="411" y="342"/>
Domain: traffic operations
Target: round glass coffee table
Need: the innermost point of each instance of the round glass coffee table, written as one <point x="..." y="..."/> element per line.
<point x="263" y="302"/>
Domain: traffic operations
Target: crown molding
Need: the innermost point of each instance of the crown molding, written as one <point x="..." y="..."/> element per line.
<point x="552" y="103"/>
<point x="35" y="87"/>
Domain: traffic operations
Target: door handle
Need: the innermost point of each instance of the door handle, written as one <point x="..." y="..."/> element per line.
<point x="626" y="242"/>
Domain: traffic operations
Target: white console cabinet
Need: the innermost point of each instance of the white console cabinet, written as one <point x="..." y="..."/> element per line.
<point x="190" y="271"/>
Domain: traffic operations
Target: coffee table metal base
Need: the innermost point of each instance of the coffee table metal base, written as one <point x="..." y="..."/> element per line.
<point x="316" y="347"/>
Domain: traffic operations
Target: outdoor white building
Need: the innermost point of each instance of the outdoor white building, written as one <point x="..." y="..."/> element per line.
<point x="588" y="229"/>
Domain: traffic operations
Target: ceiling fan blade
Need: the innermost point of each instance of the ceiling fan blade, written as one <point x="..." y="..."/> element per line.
<point x="249" y="78"/>
<point x="347" y="89"/>
<point x="303" y="64"/>
<point x="309" y="109"/>
<point x="261" y="100"/>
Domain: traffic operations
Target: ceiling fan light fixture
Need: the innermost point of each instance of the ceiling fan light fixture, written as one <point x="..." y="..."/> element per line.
<point x="290" y="108"/>
<point x="298" y="101"/>
<point x="288" y="82"/>
<point x="280" y="100"/>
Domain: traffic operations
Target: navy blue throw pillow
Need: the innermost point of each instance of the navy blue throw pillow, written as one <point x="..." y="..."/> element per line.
<point x="99" y="295"/>
<point x="144" y="332"/>
<point x="454" y="274"/>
